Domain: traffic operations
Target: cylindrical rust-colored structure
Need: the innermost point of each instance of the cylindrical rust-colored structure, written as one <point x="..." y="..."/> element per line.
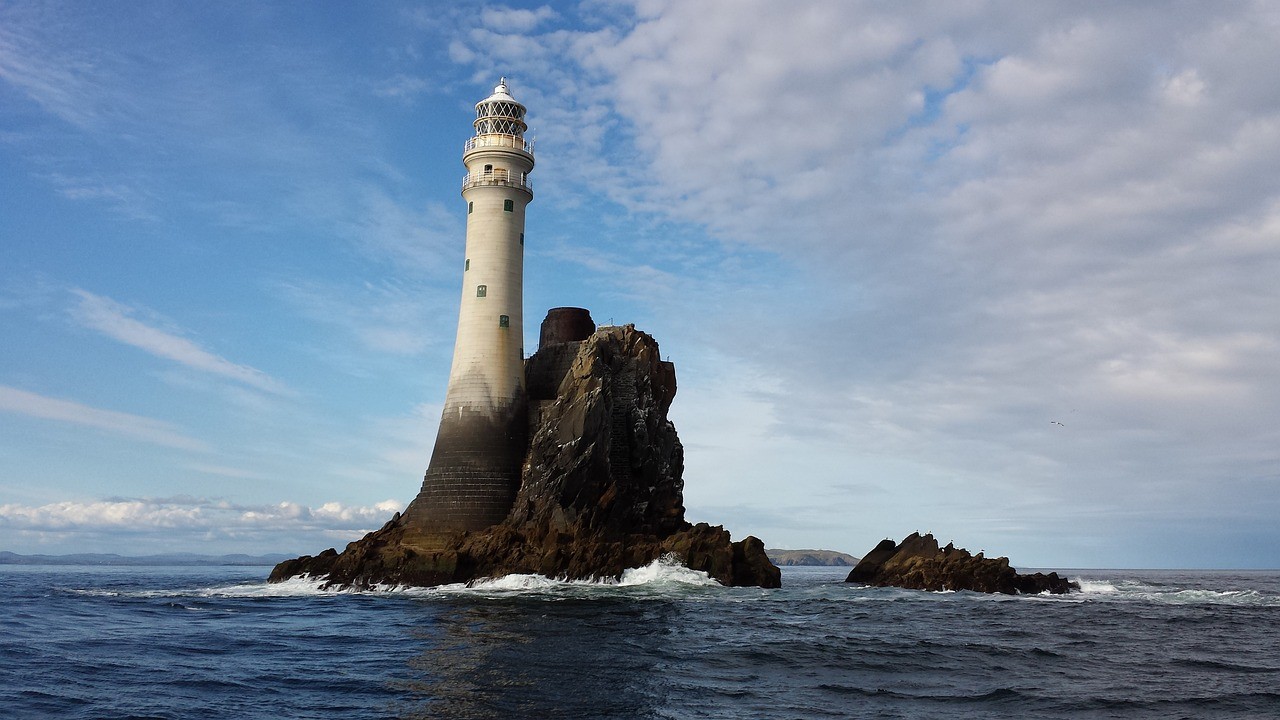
<point x="566" y="324"/>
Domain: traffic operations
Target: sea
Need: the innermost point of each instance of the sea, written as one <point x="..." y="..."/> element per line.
<point x="662" y="642"/>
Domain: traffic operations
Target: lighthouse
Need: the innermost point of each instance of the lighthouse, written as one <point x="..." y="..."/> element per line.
<point x="474" y="472"/>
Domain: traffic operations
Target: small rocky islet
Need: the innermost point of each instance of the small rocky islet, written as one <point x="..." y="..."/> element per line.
<point x="918" y="563"/>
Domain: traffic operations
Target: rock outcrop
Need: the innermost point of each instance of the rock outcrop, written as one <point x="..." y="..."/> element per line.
<point x="601" y="487"/>
<point x="918" y="563"/>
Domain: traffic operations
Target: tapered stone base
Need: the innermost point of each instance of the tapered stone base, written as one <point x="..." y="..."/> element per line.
<point x="474" y="473"/>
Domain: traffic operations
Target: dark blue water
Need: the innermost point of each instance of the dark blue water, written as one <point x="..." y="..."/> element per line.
<point x="218" y="642"/>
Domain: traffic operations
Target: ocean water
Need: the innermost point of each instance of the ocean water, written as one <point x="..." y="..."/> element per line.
<point x="112" y="642"/>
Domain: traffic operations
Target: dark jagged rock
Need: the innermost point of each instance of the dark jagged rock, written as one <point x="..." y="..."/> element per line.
<point x="306" y="565"/>
<point x="918" y="563"/>
<point x="601" y="487"/>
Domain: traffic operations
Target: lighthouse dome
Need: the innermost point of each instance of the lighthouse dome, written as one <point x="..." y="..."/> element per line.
<point x="500" y="93"/>
<point x="500" y="113"/>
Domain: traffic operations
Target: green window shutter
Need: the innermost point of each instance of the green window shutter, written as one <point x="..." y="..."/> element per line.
<point x="504" y="321"/>
<point x="508" y="205"/>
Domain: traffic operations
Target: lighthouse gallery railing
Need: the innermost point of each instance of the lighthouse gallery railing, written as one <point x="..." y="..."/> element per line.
<point x="497" y="177"/>
<point x="510" y="141"/>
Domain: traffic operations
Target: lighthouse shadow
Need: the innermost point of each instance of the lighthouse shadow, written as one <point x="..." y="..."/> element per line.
<point x="536" y="658"/>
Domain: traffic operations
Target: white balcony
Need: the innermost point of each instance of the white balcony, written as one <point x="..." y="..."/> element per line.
<point x="500" y="177"/>
<point x="509" y="141"/>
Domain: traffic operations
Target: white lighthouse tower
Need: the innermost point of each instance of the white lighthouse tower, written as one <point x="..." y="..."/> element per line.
<point x="475" y="467"/>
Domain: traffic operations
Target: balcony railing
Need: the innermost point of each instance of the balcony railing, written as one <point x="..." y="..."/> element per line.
<point x="510" y="141"/>
<point x="497" y="177"/>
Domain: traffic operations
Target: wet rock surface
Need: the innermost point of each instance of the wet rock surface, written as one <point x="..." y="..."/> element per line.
<point x="918" y="563"/>
<point x="601" y="488"/>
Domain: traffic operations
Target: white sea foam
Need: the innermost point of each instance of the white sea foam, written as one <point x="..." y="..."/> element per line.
<point x="1123" y="590"/>
<point x="517" y="582"/>
<point x="293" y="587"/>
<point x="666" y="571"/>
<point x="1220" y="597"/>
<point x="1097" y="587"/>
<point x="1112" y="588"/>
<point x="288" y="588"/>
<point x="668" y="577"/>
<point x="663" y="576"/>
<point x="92" y="592"/>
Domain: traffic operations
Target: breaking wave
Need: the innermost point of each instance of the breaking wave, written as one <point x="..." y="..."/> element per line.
<point x="664" y="576"/>
<point x="666" y="570"/>
<point x="1127" y="590"/>
<point x="668" y="577"/>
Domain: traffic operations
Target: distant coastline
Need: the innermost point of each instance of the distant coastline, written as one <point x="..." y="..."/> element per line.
<point x="811" y="558"/>
<point x="169" y="559"/>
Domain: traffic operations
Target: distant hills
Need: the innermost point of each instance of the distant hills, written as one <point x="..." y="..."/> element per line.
<point x="829" y="558"/>
<point x="170" y="559"/>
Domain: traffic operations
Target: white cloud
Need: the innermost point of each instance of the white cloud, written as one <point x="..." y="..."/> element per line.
<point x="122" y="195"/>
<point x="416" y="240"/>
<point x="67" y="85"/>
<point x="394" y="318"/>
<point x="135" y="427"/>
<point x="979" y="221"/>
<point x="460" y="53"/>
<point x="401" y="86"/>
<point x="505" y="19"/>
<point x="182" y="518"/>
<point x="228" y="472"/>
<point x="116" y="322"/>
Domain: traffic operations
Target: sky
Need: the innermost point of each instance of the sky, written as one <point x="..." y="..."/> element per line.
<point x="1005" y="272"/>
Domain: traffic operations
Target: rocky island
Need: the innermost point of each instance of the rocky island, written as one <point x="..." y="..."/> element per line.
<point x="601" y="486"/>
<point x="918" y="563"/>
<point x="811" y="558"/>
<point x="564" y="463"/>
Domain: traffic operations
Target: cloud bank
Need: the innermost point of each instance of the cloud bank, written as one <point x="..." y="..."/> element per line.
<point x="1023" y="255"/>
<point x="130" y="525"/>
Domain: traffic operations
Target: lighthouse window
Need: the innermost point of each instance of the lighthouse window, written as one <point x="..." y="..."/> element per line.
<point x="488" y="169"/>
<point x="508" y="205"/>
<point x="521" y="238"/>
<point x="504" y="321"/>
<point x="482" y="290"/>
<point x="467" y="266"/>
<point x="470" y="206"/>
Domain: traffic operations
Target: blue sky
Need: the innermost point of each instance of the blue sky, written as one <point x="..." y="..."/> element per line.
<point x="1006" y="272"/>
